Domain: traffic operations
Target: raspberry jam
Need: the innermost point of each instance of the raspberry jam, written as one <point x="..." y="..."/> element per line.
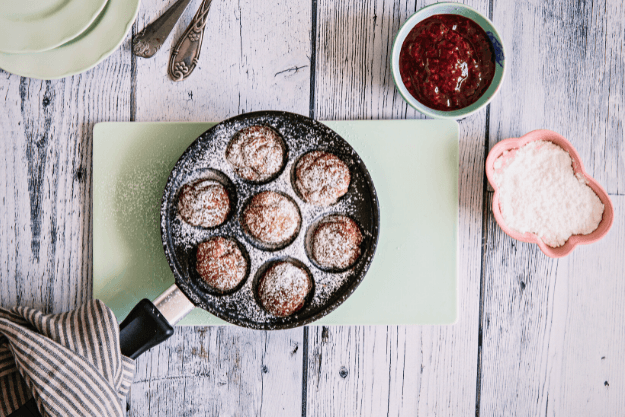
<point x="447" y="62"/>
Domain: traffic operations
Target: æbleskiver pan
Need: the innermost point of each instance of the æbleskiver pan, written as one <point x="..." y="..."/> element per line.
<point x="151" y="323"/>
<point x="204" y="158"/>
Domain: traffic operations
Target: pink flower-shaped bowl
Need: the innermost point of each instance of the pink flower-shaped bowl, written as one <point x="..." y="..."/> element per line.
<point x="511" y="145"/>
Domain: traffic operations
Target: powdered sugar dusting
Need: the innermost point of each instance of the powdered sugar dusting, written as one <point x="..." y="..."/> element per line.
<point x="272" y="218"/>
<point x="256" y="153"/>
<point x="541" y="194"/>
<point x="283" y="288"/>
<point x="221" y="264"/>
<point x="208" y="155"/>
<point x="321" y="178"/>
<point x="336" y="242"/>
<point x="204" y="203"/>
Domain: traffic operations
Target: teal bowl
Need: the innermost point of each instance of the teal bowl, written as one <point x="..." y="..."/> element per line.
<point x="469" y="13"/>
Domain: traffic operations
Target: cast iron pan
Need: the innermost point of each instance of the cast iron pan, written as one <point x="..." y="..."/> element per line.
<point x="205" y="159"/>
<point x="149" y="324"/>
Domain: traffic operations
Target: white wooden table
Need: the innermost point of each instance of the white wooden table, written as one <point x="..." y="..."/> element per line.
<point x="535" y="336"/>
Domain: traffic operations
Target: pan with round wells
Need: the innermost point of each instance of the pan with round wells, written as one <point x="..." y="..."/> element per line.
<point x="150" y="323"/>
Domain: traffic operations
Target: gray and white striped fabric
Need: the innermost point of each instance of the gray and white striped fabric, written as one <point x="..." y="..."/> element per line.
<point x="70" y="363"/>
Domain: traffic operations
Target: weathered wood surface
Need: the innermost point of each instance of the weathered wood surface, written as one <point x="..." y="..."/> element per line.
<point x="395" y="370"/>
<point x="45" y="180"/>
<point x="353" y="46"/>
<point x="551" y="328"/>
<point x="535" y="336"/>
<point x="221" y="371"/>
<point x="566" y="74"/>
<point x="255" y="57"/>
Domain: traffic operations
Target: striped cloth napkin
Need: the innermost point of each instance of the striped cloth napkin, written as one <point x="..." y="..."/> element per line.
<point x="70" y="363"/>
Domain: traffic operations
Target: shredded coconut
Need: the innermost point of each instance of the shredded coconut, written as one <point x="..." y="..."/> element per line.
<point x="540" y="193"/>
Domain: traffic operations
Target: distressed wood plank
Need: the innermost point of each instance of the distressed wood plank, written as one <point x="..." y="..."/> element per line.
<point x="45" y="180"/>
<point x="549" y="347"/>
<point x="353" y="77"/>
<point x="254" y="57"/>
<point x="364" y="370"/>
<point x="566" y="74"/>
<point x="553" y="329"/>
<point x="547" y="323"/>
<point x="395" y="370"/>
<point x="220" y="371"/>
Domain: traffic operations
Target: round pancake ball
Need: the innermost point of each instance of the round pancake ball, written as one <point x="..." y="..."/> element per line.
<point x="271" y="218"/>
<point x="283" y="288"/>
<point x="336" y="242"/>
<point x="321" y="178"/>
<point x="256" y="153"/>
<point x="221" y="263"/>
<point x="204" y="203"/>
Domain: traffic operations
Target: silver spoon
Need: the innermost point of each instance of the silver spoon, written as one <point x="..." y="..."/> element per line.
<point x="185" y="55"/>
<point x="152" y="37"/>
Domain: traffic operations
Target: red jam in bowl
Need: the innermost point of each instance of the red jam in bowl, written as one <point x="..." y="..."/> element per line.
<point x="447" y="62"/>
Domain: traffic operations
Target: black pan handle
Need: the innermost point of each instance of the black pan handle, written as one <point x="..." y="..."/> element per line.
<point x="144" y="328"/>
<point x="149" y="324"/>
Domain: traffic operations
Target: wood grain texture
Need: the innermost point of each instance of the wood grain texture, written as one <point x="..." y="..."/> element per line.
<point x="45" y="181"/>
<point x="548" y="336"/>
<point x="220" y="371"/>
<point x="254" y="57"/>
<point x="553" y="329"/>
<point x="547" y="323"/>
<point x="395" y="370"/>
<point x="364" y="370"/>
<point x="353" y="78"/>
<point x="566" y="73"/>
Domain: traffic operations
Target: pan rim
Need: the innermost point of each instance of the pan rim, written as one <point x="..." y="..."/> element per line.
<point x="334" y="301"/>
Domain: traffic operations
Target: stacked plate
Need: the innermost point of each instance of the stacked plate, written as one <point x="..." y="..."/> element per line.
<point x="50" y="39"/>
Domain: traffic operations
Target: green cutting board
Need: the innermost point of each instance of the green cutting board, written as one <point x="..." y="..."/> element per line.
<point x="414" y="166"/>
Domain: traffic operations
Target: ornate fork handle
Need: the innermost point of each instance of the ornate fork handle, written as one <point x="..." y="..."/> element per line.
<point x="185" y="55"/>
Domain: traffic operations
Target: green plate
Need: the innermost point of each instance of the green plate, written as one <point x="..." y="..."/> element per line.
<point x="103" y="37"/>
<point x="414" y="166"/>
<point x="38" y="25"/>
